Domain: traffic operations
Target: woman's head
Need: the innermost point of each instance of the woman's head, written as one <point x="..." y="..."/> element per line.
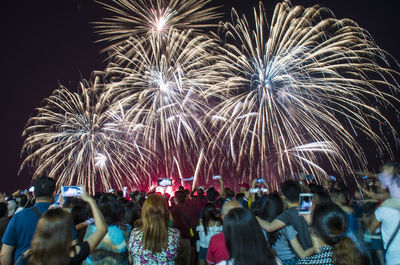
<point x="328" y="222"/>
<point x="329" y="225"/>
<point x="53" y="236"/>
<point x="272" y="207"/>
<point x="244" y="238"/>
<point x="110" y="208"/>
<point x="131" y="213"/>
<point x="154" y="223"/>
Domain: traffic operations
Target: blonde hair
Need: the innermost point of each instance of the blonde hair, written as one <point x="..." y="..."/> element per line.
<point x="154" y="223"/>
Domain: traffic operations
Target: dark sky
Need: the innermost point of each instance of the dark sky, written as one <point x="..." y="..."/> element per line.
<point x="47" y="42"/>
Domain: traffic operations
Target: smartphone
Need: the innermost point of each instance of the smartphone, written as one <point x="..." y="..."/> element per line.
<point x="333" y="178"/>
<point x="164" y="182"/>
<point x="111" y="190"/>
<point x="216" y="177"/>
<point x="260" y="180"/>
<point x="32" y="189"/>
<point x="264" y="190"/>
<point x="71" y="191"/>
<point x="254" y="190"/>
<point x="364" y="177"/>
<point x="305" y="203"/>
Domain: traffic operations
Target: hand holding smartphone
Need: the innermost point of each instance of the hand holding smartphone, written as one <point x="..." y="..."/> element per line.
<point x="305" y="203"/>
<point x="71" y="191"/>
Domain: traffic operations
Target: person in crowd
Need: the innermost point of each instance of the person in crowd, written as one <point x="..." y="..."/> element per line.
<point x="290" y="190"/>
<point x="131" y="214"/>
<point x="19" y="233"/>
<point x="245" y="241"/>
<point x="387" y="216"/>
<point x="22" y="202"/>
<point x="217" y="250"/>
<point x="182" y="215"/>
<point x="284" y="240"/>
<point x="153" y="242"/>
<point x="80" y="219"/>
<point x="113" y="248"/>
<point x="332" y="246"/>
<point x="208" y="226"/>
<point x="51" y="243"/>
<point x="4" y="220"/>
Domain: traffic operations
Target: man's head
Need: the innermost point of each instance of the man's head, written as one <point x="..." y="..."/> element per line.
<point x="229" y="206"/>
<point x="291" y="190"/>
<point x="180" y="196"/>
<point x="44" y="188"/>
<point x="212" y="194"/>
<point x="244" y="187"/>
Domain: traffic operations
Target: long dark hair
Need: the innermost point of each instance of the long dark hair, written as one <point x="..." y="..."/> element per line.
<point x="209" y="214"/>
<point x="329" y="223"/>
<point x="51" y="243"/>
<point x="244" y="239"/>
<point x="272" y="207"/>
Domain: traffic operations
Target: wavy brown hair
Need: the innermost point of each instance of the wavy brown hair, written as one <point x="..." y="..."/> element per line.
<point x="154" y="223"/>
<point x="51" y="243"/>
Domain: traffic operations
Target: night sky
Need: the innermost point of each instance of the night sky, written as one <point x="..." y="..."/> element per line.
<point x="45" y="43"/>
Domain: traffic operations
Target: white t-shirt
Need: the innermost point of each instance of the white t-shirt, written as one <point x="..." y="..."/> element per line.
<point x="211" y="230"/>
<point x="390" y="218"/>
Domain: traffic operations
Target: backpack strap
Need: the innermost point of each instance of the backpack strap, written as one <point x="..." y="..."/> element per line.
<point x="37" y="212"/>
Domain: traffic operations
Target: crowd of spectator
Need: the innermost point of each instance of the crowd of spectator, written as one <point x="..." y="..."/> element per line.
<point x="254" y="226"/>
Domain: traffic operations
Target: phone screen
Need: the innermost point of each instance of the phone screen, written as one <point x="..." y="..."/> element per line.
<point x="260" y="180"/>
<point x="253" y="190"/>
<point x="71" y="191"/>
<point x="164" y="182"/>
<point x="216" y="177"/>
<point x="305" y="203"/>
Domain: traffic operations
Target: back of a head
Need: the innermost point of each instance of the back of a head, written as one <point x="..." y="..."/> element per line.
<point x="329" y="224"/>
<point x="180" y="196"/>
<point x="131" y="213"/>
<point x="244" y="239"/>
<point x="229" y="194"/>
<point x="291" y="190"/>
<point x="110" y="208"/>
<point x="53" y="236"/>
<point x="271" y="207"/>
<point x="211" y="194"/>
<point x="3" y="209"/>
<point x="154" y="223"/>
<point x="79" y="214"/>
<point x="44" y="187"/>
<point x="229" y="206"/>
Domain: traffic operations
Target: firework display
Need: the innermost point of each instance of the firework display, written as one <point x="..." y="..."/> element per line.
<point x="244" y="101"/>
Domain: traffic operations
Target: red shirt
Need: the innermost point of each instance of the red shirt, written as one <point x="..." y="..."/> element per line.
<point x="217" y="251"/>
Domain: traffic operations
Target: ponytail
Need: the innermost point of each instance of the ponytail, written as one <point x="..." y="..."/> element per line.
<point x="345" y="252"/>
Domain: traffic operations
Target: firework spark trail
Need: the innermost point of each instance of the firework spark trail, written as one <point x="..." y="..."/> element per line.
<point x="295" y="84"/>
<point x="162" y="87"/>
<point x="149" y="18"/>
<point x="74" y="139"/>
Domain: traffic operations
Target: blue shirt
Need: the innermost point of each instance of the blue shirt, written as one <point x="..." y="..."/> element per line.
<point x="22" y="226"/>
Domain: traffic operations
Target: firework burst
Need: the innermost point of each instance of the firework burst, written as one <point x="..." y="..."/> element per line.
<point x="145" y="18"/>
<point x="76" y="140"/>
<point x="300" y="91"/>
<point x="163" y="89"/>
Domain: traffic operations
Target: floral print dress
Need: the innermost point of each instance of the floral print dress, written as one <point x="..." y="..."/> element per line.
<point x="139" y="255"/>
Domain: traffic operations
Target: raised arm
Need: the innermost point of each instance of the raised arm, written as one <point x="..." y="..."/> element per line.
<point x="100" y="223"/>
